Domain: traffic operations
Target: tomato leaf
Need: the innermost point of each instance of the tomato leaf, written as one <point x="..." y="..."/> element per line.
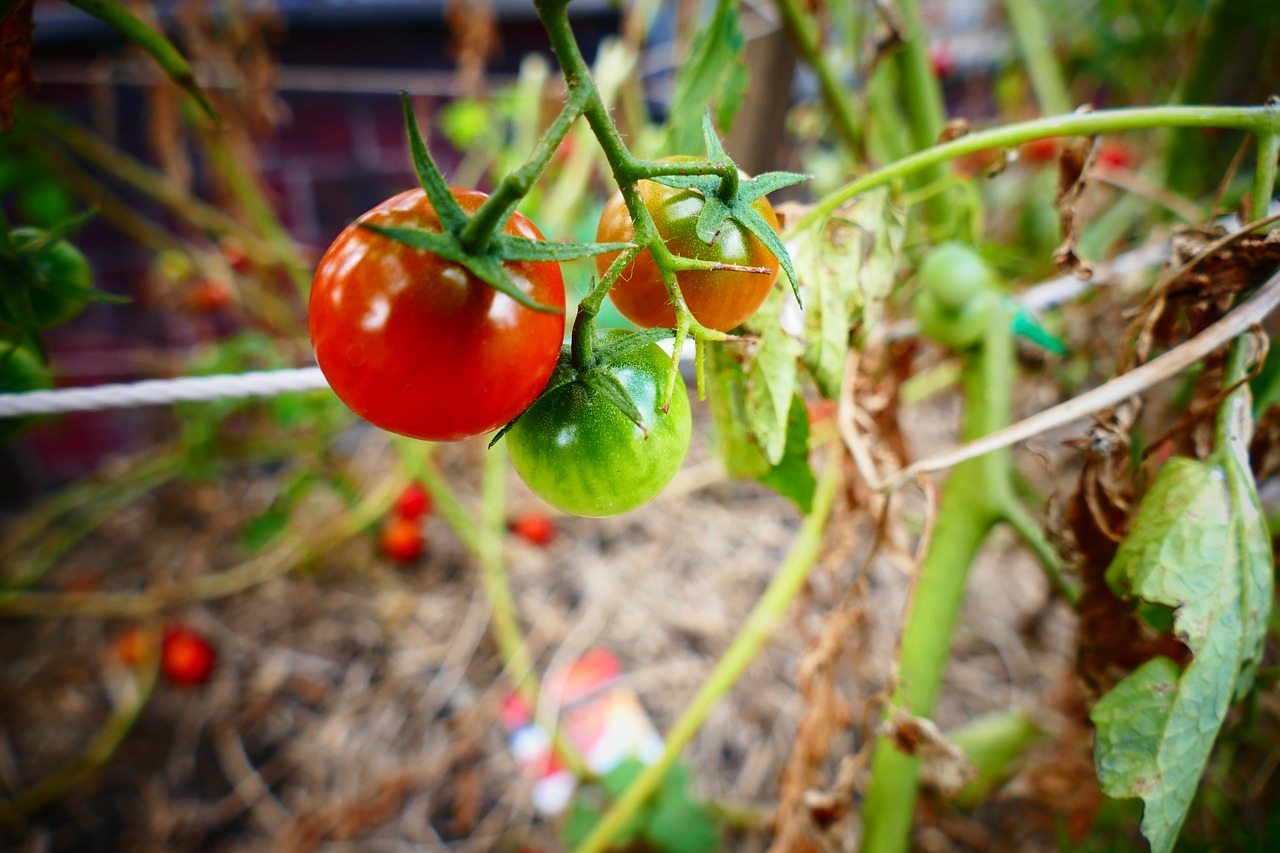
<point x="715" y="72"/>
<point x="433" y="183"/>
<point x="848" y="264"/>
<point x="512" y="248"/>
<point x="792" y="477"/>
<point x="679" y="823"/>
<point x="1199" y="544"/>
<point x="771" y="378"/>
<point x="735" y="443"/>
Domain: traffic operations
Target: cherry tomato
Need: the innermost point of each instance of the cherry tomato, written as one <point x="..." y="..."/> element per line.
<point x="59" y="278"/>
<point x="581" y="454"/>
<point x="1041" y="151"/>
<point x="20" y="370"/>
<point x="209" y="296"/>
<point x="419" y="346"/>
<point x="719" y="299"/>
<point x="942" y="60"/>
<point x="955" y="298"/>
<point x="186" y="658"/>
<point x="1113" y="154"/>
<point x="414" y="502"/>
<point x="402" y="540"/>
<point x="535" y="528"/>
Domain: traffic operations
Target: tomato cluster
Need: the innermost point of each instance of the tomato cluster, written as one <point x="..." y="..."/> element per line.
<point x="414" y="336"/>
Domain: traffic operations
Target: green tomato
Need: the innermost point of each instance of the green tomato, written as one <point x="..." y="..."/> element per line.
<point x="954" y="273"/>
<point x="59" y="280"/>
<point x="20" y="370"/>
<point x="581" y="454"/>
<point x="959" y="329"/>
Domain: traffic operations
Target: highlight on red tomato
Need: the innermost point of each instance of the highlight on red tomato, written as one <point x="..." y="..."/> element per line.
<point x="414" y="502"/>
<point x="577" y="451"/>
<point x="719" y="299"/>
<point x="416" y="344"/>
<point x="402" y="540"/>
<point x="186" y="657"/>
<point x="535" y="528"/>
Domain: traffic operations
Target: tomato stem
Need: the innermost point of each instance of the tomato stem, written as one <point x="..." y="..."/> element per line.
<point x="1259" y="119"/>
<point x="507" y="195"/>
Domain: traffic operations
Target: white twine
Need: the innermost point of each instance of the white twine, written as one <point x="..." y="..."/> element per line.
<point x="162" y="392"/>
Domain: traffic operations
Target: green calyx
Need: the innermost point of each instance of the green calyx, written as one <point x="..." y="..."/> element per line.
<point x="594" y="371"/>
<point x="730" y="197"/>
<point x="482" y="251"/>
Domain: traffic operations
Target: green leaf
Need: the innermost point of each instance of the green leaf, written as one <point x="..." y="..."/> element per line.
<point x="792" y="477"/>
<point x="848" y="265"/>
<point x="679" y="823"/>
<point x="715" y="73"/>
<point x="771" y="378"/>
<point x="120" y="19"/>
<point x="1198" y="544"/>
<point x="727" y="383"/>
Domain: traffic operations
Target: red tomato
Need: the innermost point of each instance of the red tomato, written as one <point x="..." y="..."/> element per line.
<point x="1113" y="154"/>
<point x="1041" y="151"/>
<point x="186" y="658"/>
<point x="719" y="299"/>
<point x="402" y="540"/>
<point x="414" y="502"/>
<point x="534" y="527"/>
<point x="418" y="345"/>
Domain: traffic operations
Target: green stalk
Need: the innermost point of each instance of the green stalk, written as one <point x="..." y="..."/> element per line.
<point x="755" y="633"/>
<point x="922" y="99"/>
<point x="247" y="191"/>
<point x="1264" y="177"/>
<point x="125" y="713"/>
<point x="1036" y="46"/>
<point x="973" y="500"/>
<point x="805" y="37"/>
<point x="497" y="208"/>
<point x="1264" y="119"/>
<point x="485" y="540"/>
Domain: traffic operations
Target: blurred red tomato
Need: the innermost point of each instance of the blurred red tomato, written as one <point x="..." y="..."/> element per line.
<point x="402" y="540"/>
<point x="534" y="527"/>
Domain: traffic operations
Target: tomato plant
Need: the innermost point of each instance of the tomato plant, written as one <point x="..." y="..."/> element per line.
<point x="418" y="345"/>
<point x="186" y="658"/>
<point x="579" y="452"/>
<point x="718" y="299"/>
<point x="402" y="540"/>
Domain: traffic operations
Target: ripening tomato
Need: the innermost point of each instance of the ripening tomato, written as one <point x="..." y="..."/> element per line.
<point x="133" y="645"/>
<point x="577" y="450"/>
<point x="416" y="344"/>
<point x="414" y="502"/>
<point x="1041" y="151"/>
<point x="719" y="299"/>
<point x="402" y="540"/>
<point x="186" y="658"/>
